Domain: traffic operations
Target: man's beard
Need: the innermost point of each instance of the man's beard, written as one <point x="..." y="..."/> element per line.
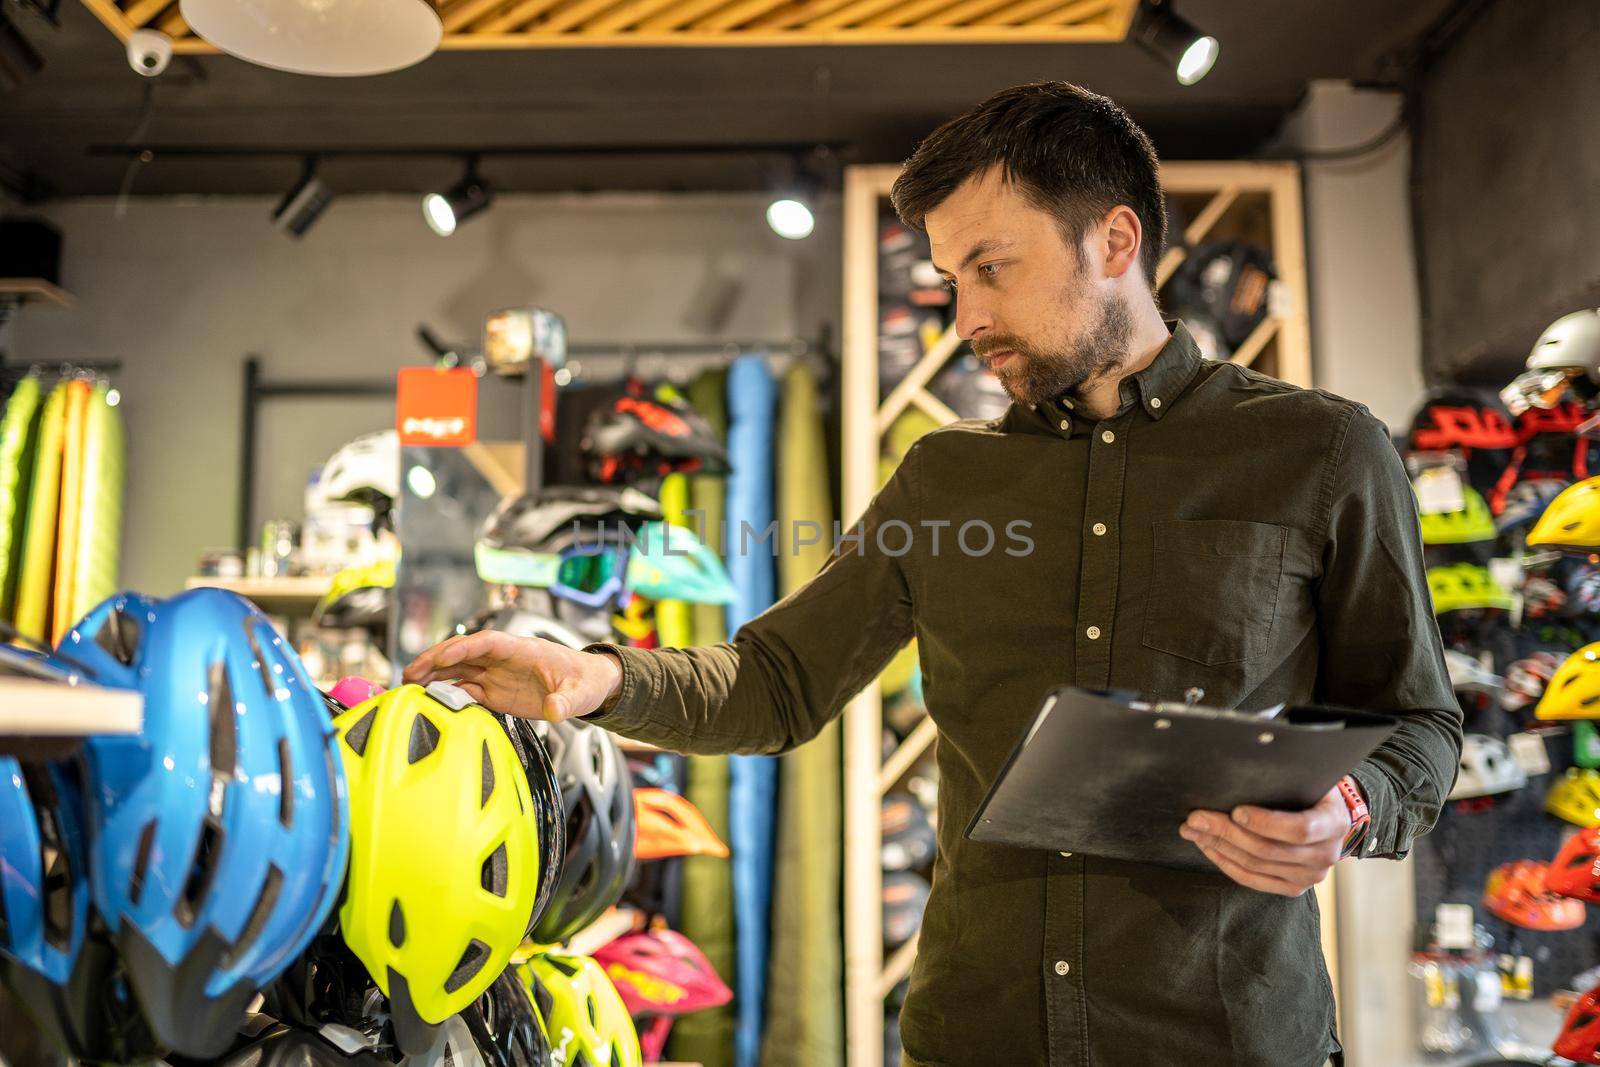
<point x="1033" y="375"/>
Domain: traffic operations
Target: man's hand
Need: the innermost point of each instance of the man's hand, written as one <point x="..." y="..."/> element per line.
<point x="1285" y="852"/>
<point x="526" y="676"/>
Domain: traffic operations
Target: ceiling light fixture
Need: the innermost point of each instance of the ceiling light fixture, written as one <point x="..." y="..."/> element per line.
<point x="339" y="38"/>
<point x="304" y="203"/>
<point x="1174" y="41"/>
<point x="447" y="210"/>
<point x="790" y="216"/>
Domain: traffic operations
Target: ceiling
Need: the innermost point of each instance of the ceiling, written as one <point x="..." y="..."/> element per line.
<point x="873" y="101"/>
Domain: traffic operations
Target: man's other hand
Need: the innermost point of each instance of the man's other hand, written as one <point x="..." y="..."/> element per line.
<point x="526" y="676"/>
<point x="1285" y="852"/>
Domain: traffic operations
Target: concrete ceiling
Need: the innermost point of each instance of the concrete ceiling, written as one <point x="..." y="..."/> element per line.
<point x="874" y="101"/>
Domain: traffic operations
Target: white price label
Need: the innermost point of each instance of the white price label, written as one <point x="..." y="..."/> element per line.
<point x="1439" y="491"/>
<point x="1529" y="752"/>
<point x="1452" y="926"/>
<point x="1506" y="573"/>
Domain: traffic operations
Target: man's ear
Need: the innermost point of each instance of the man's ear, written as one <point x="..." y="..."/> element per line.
<point x="1123" y="238"/>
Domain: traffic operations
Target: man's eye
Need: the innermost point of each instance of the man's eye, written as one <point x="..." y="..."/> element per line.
<point x="990" y="269"/>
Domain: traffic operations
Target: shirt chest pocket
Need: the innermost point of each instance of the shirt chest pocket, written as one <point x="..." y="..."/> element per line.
<point x="1214" y="588"/>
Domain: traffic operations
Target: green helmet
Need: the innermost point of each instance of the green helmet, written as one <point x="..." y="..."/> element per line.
<point x="1472" y="523"/>
<point x="1463" y="586"/>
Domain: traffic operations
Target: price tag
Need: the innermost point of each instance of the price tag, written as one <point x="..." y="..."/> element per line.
<point x="1529" y="752"/>
<point x="1452" y="926"/>
<point x="1506" y="573"/>
<point x="1439" y="491"/>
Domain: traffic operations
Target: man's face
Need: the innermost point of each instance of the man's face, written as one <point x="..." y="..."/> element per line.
<point x="1038" y="311"/>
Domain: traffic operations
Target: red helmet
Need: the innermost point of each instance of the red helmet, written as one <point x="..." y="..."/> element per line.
<point x="669" y="826"/>
<point x="661" y="972"/>
<point x="1579" y="1039"/>
<point x="1516" y="893"/>
<point x="1575" y="872"/>
<point x="1442" y="426"/>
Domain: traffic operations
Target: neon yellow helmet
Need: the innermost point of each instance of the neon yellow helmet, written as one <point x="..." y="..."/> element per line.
<point x="589" y="1026"/>
<point x="444" y="864"/>
<point x="1465" y="585"/>
<point x="1572" y="519"/>
<point x="1472" y="523"/>
<point x="1574" y="690"/>
<point x="1575" y="797"/>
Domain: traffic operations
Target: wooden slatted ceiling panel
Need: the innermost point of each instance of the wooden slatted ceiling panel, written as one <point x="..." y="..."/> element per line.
<point x="511" y="24"/>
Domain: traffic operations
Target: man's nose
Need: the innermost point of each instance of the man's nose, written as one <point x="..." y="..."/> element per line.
<point x="972" y="317"/>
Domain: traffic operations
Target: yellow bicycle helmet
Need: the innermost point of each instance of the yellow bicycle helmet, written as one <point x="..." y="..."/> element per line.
<point x="1574" y="690"/>
<point x="444" y="864"/>
<point x="1572" y="519"/>
<point x="1575" y="797"/>
<point x="589" y="1026"/>
<point x="1472" y="523"/>
<point x="1465" y="586"/>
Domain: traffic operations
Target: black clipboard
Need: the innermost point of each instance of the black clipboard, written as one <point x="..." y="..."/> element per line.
<point x="1106" y="775"/>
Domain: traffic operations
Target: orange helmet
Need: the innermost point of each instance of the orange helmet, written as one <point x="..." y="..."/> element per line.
<point x="1516" y="893"/>
<point x="668" y="825"/>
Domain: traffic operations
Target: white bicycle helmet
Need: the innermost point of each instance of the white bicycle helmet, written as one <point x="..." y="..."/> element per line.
<point x="1468" y="675"/>
<point x="1486" y="769"/>
<point x="364" y="469"/>
<point x="1565" y="358"/>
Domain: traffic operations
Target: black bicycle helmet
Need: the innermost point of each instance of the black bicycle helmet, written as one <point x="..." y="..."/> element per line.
<point x="519" y="620"/>
<point x="506" y="1027"/>
<point x="530" y="521"/>
<point x="597" y="798"/>
<point x="548" y="816"/>
<point x="648" y="434"/>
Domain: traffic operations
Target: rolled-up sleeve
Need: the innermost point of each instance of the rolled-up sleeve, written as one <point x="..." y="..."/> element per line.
<point x="1380" y="647"/>
<point x="790" y="670"/>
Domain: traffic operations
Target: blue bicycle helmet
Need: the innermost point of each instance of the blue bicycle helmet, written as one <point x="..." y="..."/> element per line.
<point x="219" y="834"/>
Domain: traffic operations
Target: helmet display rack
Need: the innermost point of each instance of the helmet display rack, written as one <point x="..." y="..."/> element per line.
<point x="1258" y="203"/>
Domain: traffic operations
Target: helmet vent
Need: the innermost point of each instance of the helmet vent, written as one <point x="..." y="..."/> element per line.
<point x="285" y="784"/>
<point x="493" y="876"/>
<point x="360" y="730"/>
<point x="201" y="873"/>
<point x="594" y="1016"/>
<point x="542" y="999"/>
<point x="397" y="925"/>
<point x="258" y="915"/>
<point x="563" y="965"/>
<point x="54" y="860"/>
<point x="141" y="862"/>
<point x="119" y="636"/>
<point x="223" y="730"/>
<point x="472" y="961"/>
<point x="424" y="739"/>
<point x="488" y="777"/>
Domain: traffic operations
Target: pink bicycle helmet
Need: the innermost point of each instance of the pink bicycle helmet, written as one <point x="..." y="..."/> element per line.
<point x="661" y="973"/>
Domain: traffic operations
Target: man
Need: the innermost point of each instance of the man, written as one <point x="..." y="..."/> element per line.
<point x="1186" y="524"/>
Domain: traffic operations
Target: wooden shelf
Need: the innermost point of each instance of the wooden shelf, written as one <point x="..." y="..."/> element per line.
<point x="275" y="596"/>
<point x="36" y="289"/>
<point x="910" y="750"/>
<point x="33" y="708"/>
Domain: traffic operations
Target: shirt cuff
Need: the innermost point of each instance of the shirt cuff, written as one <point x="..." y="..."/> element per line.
<point x="624" y="706"/>
<point x="1388" y="837"/>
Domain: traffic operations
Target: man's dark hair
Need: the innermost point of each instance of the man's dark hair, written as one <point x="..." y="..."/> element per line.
<point x="1068" y="151"/>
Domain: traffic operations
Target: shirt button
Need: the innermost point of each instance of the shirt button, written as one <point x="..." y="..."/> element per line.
<point x="1155" y="401"/>
<point x="1066" y="424"/>
<point x="1108" y="437"/>
<point x="1093" y="632"/>
<point x="1062" y="967"/>
<point x="1099" y="529"/>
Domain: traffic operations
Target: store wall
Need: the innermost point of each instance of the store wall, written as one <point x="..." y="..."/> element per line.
<point x="181" y="290"/>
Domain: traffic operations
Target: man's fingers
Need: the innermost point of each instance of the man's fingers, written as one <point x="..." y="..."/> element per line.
<point x="1218" y="825"/>
<point x="1298" y="827"/>
<point x="1286" y="870"/>
<point x="1249" y="879"/>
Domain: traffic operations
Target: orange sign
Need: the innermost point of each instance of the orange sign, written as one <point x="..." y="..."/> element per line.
<point x="437" y="407"/>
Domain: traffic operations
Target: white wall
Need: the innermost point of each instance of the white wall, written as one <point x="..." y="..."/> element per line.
<point x="1365" y="318"/>
<point x="181" y="290"/>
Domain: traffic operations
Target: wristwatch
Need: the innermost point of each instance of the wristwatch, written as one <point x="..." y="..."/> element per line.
<point x="1360" y="817"/>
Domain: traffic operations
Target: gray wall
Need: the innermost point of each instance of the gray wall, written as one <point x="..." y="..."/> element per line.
<point x="181" y="290"/>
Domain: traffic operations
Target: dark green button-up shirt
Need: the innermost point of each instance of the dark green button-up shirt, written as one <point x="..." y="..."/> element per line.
<point x="1224" y="530"/>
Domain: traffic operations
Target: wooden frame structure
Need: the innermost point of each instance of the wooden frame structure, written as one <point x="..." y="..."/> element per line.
<point x="1260" y="202"/>
<point x="523" y="24"/>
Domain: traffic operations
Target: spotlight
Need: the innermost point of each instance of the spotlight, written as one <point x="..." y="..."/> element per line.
<point x="790" y="217"/>
<point x="303" y="204"/>
<point x="1174" y="41"/>
<point x="445" y="211"/>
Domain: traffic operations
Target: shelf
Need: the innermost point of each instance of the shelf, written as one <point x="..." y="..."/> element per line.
<point x="898" y="966"/>
<point x="1247" y="352"/>
<point x="33" y="708"/>
<point x="36" y="289"/>
<point x="275" y="596"/>
<point x="910" y="750"/>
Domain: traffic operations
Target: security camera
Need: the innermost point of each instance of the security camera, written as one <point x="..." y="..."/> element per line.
<point x="149" y="52"/>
